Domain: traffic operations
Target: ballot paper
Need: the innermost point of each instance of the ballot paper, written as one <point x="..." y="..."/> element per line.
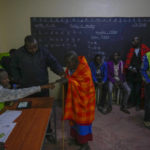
<point x="7" y="123"/>
<point x="5" y="130"/>
<point x="9" y="116"/>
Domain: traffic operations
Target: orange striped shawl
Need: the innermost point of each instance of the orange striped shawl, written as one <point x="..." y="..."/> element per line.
<point x="80" y="99"/>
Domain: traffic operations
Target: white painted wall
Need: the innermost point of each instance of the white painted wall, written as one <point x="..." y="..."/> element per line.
<point x="15" y="16"/>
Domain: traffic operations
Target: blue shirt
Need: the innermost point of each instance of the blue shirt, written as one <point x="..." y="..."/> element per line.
<point x="103" y="70"/>
<point x="144" y="69"/>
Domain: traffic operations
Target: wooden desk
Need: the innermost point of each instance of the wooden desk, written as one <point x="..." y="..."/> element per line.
<point x="31" y="126"/>
<point x="30" y="130"/>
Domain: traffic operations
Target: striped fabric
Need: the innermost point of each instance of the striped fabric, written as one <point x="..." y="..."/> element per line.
<point x="80" y="99"/>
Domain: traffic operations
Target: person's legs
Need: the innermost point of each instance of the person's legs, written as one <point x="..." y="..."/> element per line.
<point x="147" y="106"/>
<point x="98" y="94"/>
<point x="110" y="89"/>
<point x="102" y="99"/>
<point x="84" y="146"/>
<point x="81" y="135"/>
<point x="126" y="94"/>
<point x="131" y="101"/>
<point x="138" y="95"/>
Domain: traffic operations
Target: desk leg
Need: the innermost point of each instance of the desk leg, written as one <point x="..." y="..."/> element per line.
<point x="54" y="113"/>
<point x="51" y="134"/>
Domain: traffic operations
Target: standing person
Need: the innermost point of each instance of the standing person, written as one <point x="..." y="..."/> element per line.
<point x="116" y="78"/>
<point x="30" y="63"/>
<point x="80" y="99"/>
<point x="99" y="75"/>
<point x="132" y="69"/>
<point x="145" y="70"/>
<point x="7" y="94"/>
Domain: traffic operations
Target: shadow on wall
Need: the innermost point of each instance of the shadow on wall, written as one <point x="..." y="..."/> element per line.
<point x="57" y="91"/>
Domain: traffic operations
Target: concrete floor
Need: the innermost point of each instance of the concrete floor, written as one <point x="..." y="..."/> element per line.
<point x="114" y="131"/>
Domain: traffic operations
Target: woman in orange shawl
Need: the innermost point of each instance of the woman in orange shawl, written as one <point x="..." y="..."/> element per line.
<point x="80" y="99"/>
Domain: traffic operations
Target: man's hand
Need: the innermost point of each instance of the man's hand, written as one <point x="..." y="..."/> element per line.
<point x="133" y="70"/>
<point x="48" y="86"/>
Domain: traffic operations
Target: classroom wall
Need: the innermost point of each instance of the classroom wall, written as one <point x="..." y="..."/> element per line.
<point x="15" y="16"/>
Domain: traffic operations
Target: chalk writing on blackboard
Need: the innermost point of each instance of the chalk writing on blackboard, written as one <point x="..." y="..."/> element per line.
<point x="89" y="35"/>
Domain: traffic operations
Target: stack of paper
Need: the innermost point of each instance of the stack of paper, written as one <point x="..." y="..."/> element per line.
<point x="5" y="130"/>
<point x="7" y="123"/>
<point x="9" y="116"/>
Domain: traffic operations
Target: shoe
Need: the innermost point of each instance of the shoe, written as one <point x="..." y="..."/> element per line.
<point x="72" y="142"/>
<point x="130" y="105"/>
<point x="102" y="110"/>
<point x="84" y="147"/>
<point x="147" y="124"/>
<point x="109" y="109"/>
<point x="138" y="108"/>
<point x="123" y="109"/>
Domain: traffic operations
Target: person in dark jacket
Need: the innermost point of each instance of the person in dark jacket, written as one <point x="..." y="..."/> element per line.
<point x="99" y="75"/>
<point x="30" y="63"/>
<point x="132" y="69"/>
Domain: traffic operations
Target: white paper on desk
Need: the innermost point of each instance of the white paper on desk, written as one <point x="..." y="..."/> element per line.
<point x="9" y="116"/>
<point x="5" y="130"/>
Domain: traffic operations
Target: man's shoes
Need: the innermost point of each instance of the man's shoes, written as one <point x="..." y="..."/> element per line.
<point x="123" y="109"/>
<point x="147" y="124"/>
<point x="108" y="110"/>
<point x="130" y="105"/>
<point x="72" y="142"/>
<point x="84" y="147"/>
<point x="102" y="110"/>
<point x="138" y="108"/>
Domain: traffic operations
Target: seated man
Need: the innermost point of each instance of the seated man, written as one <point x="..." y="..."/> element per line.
<point x="7" y="94"/>
<point x="99" y="75"/>
<point x="80" y="99"/>
<point x="116" y="79"/>
<point x="145" y="70"/>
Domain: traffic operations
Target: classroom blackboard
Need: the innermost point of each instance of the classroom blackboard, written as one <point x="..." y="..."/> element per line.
<point x="89" y="35"/>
